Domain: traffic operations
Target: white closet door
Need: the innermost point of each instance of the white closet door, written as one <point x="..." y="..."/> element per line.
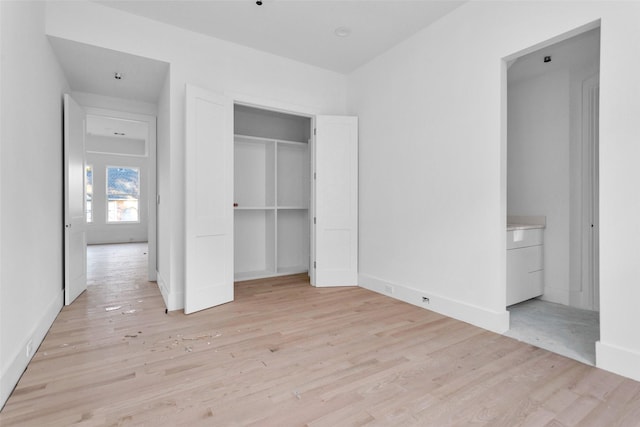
<point x="336" y="191"/>
<point x="75" y="228"/>
<point x="209" y="200"/>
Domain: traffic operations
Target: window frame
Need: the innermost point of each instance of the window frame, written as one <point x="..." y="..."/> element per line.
<point x="87" y="167"/>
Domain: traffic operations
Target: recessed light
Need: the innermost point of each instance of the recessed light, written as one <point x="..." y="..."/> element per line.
<point x="342" y="31"/>
<point x="117" y="76"/>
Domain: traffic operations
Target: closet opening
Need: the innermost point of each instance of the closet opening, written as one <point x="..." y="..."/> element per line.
<point x="272" y="193"/>
<point x="552" y="289"/>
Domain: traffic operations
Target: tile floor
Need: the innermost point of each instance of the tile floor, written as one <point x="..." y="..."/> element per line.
<point x="568" y="331"/>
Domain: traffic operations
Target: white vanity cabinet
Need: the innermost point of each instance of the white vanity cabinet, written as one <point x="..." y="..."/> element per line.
<point x="524" y="264"/>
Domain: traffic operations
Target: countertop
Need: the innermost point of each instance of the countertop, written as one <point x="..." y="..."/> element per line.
<point x="512" y="227"/>
<point x="525" y="222"/>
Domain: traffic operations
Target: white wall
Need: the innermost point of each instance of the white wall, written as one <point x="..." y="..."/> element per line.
<point x="206" y="62"/>
<point x="270" y="124"/>
<point x="31" y="279"/>
<point x="538" y="173"/>
<point x="433" y="163"/>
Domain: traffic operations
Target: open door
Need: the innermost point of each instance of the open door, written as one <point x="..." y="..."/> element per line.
<point x="75" y="233"/>
<point x="209" y="200"/>
<point x="336" y="201"/>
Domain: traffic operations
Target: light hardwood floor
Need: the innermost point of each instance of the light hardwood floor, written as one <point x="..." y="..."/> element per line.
<point x="287" y="354"/>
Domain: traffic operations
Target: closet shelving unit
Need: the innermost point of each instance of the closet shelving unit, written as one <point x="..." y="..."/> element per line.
<point x="271" y="193"/>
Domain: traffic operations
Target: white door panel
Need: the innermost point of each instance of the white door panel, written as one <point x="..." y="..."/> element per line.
<point x="75" y="241"/>
<point x="209" y="200"/>
<point x="336" y="191"/>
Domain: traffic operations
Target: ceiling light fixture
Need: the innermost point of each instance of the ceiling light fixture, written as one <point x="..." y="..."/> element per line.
<point x="259" y="2"/>
<point x="342" y="31"/>
<point x="117" y="76"/>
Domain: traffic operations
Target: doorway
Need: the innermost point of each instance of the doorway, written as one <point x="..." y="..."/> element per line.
<point x="119" y="95"/>
<point x="272" y="193"/>
<point x="552" y="183"/>
<point x="120" y="180"/>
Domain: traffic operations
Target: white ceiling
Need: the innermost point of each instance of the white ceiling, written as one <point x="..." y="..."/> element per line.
<point x="302" y="30"/>
<point x="91" y="69"/>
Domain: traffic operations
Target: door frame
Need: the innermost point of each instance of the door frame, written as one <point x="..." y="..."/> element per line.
<point x="590" y="226"/>
<point x="152" y="198"/>
<point x="295" y="110"/>
<point x="506" y="63"/>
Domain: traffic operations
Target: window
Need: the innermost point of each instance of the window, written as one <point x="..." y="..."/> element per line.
<point x="123" y="194"/>
<point x="88" y="171"/>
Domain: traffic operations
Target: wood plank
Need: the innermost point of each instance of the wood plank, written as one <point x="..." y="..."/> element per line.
<point x="286" y="353"/>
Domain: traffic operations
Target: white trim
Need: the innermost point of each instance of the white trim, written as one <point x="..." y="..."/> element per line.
<point x="4" y="394"/>
<point x="271" y="105"/>
<point x="19" y="361"/>
<point x="494" y="321"/>
<point x="619" y="360"/>
<point x="172" y="301"/>
<point x="558" y="296"/>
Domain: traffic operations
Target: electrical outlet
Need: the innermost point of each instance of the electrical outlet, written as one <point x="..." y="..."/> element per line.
<point x="388" y="289"/>
<point x="29" y="348"/>
<point x="425" y="300"/>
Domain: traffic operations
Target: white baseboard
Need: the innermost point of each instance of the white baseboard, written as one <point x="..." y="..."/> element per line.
<point x="494" y="321"/>
<point x="173" y="301"/>
<point x="556" y="296"/>
<point x="19" y="361"/>
<point x="619" y="360"/>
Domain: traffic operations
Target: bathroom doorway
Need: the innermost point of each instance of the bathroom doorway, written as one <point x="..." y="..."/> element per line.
<point x="552" y="183"/>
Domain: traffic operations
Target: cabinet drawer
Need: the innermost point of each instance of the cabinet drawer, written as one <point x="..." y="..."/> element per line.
<point x="524" y="238"/>
<point x="524" y="260"/>
<point x="527" y="286"/>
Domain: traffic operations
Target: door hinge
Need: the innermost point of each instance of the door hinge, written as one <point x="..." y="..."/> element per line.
<point x="314" y="219"/>
<point x="314" y="175"/>
<point x="315" y="131"/>
<point x="314" y="264"/>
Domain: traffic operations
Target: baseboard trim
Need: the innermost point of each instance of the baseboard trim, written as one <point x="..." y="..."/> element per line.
<point x="173" y="301"/>
<point x="556" y="296"/>
<point x="494" y="321"/>
<point x="19" y="361"/>
<point x="619" y="360"/>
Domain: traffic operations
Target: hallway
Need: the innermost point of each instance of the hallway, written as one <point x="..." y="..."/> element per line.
<point x="116" y="264"/>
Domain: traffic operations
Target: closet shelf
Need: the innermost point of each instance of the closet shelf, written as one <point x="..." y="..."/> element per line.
<point x="257" y="139"/>
<point x="302" y="208"/>
<point x="254" y="208"/>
